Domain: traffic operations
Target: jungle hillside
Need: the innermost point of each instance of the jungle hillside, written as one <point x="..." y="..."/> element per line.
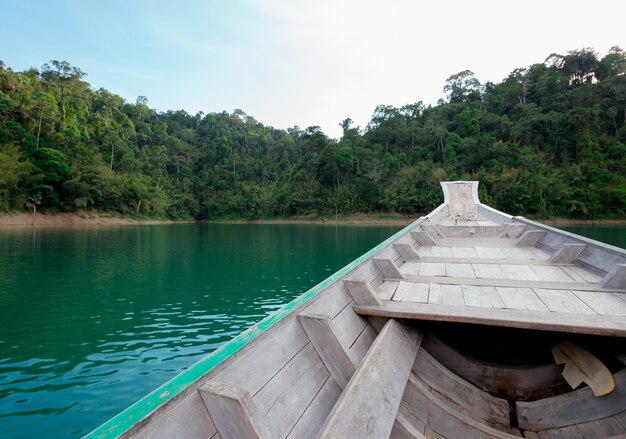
<point x="549" y="140"/>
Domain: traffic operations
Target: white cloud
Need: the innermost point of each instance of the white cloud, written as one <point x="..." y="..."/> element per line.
<point x="335" y="59"/>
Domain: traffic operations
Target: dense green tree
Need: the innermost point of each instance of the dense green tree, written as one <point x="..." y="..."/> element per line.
<point x="549" y="140"/>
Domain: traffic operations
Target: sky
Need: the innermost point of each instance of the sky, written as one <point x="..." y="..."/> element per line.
<point x="303" y="63"/>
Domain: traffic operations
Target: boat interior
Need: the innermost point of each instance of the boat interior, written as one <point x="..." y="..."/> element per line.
<point x="470" y="324"/>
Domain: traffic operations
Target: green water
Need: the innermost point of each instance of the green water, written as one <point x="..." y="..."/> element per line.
<point x="614" y="235"/>
<point x="93" y="319"/>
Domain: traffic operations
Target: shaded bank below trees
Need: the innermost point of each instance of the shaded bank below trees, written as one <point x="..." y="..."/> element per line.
<point x="548" y="140"/>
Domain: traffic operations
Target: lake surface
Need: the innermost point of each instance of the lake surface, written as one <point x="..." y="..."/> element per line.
<point x="614" y="235"/>
<point x="92" y="319"/>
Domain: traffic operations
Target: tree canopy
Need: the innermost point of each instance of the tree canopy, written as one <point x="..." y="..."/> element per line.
<point x="549" y="140"/>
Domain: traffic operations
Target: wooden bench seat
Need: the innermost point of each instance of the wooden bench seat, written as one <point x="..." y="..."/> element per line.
<point x="572" y="408"/>
<point x="369" y="404"/>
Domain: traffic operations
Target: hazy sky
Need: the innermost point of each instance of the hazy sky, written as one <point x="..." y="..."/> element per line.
<point x="293" y="62"/>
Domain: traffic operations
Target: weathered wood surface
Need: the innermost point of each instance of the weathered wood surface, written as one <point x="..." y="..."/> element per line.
<point x="563" y="322"/>
<point x="387" y="268"/>
<point x="284" y="399"/>
<point x="459" y="393"/>
<point x="348" y="325"/>
<point x="530" y="238"/>
<point x="411" y="292"/>
<point x="334" y="355"/>
<point x="567" y="253"/>
<point x="423" y="238"/>
<point x="533" y="299"/>
<point x="363" y="342"/>
<point x="368" y="405"/>
<point x="512" y="283"/>
<point x="513" y="230"/>
<point x="387" y="289"/>
<point x="362" y="292"/>
<point x="308" y="426"/>
<point x="442" y="418"/>
<point x="234" y="413"/>
<point x="485" y="297"/>
<point x="580" y="365"/>
<point x="572" y="408"/>
<point x="407" y="252"/>
<point x="407" y="426"/>
<point x="616" y="278"/>
<point x="493" y="378"/>
<point x="253" y="369"/>
<point x="188" y="419"/>
<point x="477" y="260"/>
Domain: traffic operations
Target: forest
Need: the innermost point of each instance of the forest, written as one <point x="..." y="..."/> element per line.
<point x="549" y="140"/>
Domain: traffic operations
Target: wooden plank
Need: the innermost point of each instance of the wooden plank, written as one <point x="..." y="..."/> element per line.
<point x="573" y="274"/>
<point x="580" y="365"/>
<point x="465" y="252"/>
<point x="459" y="270"/>
<point x="571" y="432"/>
<point x="423" y="251"/>
<point x="348" y="325"/>
<point x="511" y="283"/>
<point x="516" y="261"/>
<point x="494" y="378"/>
<point x="603" y="303"/>
<point x="362" y="292"/>
<point x="363" y="342"/>
<point x="521" y="298"/>
<point x="285" y="398"/>
<point x="432" y="269"/>
<point x="551" y="273"/>
<point x="423" y="238"/>
<point x="407" y="426"/>
<point x="485" y="297"/>
<point x="530" y="238"/>
<point x="484" y="271"/>
<point x="442" y="418"/>
<point x="442" y="252"/>
<point x="446" y="294"/>
<point x="514" y="231"/>
<point x="459" y="393"/>
<point x="562" y="301"/>
<point x="257" y="366"/>
<point x="602" y="429"/>
<point x="387" y="289"/>
<point x="519" y="272"/>
<point x="234" y="413"/>
<point x="334" y="355"/>
<point x="572" y="408"/>
<point x="471" y="242"/>
<point x="411" y="268"/>
<point x="308" y="425"/>
<point x="387" y="268"/>
<point x="407" y="252"/>
<point x="332" y="301"/>
<point x="567" y="253"/>
<point x="616" y="278"/>
<point x="368" y="405"/>
<point x="188" y="419"/>
<point x="561" y="322"/>
<point x="490" y="253"/>
<point x="412" y="292"/>
<point x="587" y="275"/>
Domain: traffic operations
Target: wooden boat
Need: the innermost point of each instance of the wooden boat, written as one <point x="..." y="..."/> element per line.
<point x="451" y="328"/>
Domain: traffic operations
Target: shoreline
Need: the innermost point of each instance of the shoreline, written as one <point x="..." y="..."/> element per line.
<point x="9" y="220"/>
<point x="107" y="219"/>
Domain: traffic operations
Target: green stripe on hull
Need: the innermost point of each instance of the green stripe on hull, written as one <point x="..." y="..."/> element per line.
<point x="122" y="422"/>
